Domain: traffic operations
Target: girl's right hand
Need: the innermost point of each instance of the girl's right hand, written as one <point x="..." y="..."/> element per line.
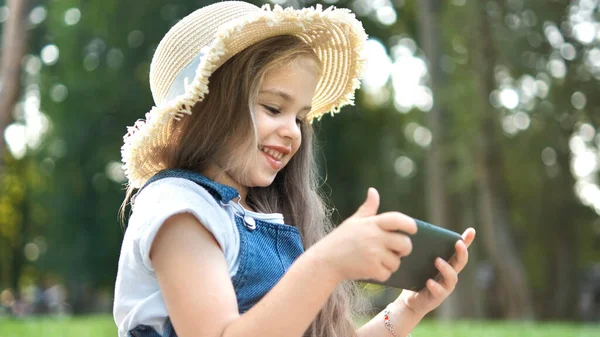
<point x="367" y="245"/>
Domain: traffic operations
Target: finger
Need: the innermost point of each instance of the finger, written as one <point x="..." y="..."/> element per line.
<point x="391" y="262"/>
<point x="396" y="221"/>
<point x="435" y="288"/>
<point x="370" y="206"/>
<point x="468" y="236"/>
<point x="398" y="243"/>
<point x="460" y="259"/>
<point x="449" y="275"/>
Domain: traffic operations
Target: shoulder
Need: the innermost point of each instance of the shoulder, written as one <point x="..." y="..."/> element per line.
<point x="172" y="190"/>
<point x="168" y="197"/>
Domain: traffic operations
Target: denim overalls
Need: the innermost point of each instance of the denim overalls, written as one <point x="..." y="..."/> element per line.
<point x="266" y="250"/>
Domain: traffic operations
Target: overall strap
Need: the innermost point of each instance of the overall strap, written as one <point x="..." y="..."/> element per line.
<point x="220" y="192"/>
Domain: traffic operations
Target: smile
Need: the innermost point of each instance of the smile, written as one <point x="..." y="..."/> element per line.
<point x="275" y="154"/>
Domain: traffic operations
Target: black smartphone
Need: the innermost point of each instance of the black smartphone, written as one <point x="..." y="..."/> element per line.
<point x="428" y="243"/>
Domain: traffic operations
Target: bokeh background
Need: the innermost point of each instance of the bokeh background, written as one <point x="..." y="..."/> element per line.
<point x="471" y="113"/>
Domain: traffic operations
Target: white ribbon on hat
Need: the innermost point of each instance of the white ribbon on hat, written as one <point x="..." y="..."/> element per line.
<point x="181" y="82"/>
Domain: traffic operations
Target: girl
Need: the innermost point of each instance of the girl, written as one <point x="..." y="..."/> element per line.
<point x="227" y="235"/>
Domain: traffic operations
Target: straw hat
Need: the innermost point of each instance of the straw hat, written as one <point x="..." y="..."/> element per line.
<point x="202" y="41"/>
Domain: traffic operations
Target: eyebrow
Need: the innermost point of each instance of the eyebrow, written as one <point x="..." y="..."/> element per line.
<point x="283" y="95"/>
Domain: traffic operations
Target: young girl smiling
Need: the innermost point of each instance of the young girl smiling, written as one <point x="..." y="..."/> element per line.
<point x="228" y="234"/>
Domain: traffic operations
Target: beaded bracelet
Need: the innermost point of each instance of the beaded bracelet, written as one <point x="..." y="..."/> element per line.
<point x="388" y="325"/>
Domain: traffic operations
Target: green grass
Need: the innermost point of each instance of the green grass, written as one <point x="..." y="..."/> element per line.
<point x="89" y="326"/>
<point x="103" y="326"/>
<point x="504" y="329"/>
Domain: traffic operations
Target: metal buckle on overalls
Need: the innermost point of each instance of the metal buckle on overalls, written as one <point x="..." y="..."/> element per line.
<point x="249" y="221"/>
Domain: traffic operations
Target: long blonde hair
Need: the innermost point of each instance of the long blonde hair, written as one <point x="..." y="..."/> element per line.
<point x="226" y="113"/>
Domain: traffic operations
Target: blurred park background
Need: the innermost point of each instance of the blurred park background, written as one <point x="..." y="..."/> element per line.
<point x="471" y="113"/>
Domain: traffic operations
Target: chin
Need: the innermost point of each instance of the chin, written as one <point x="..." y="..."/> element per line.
<point x="262" y="180"/>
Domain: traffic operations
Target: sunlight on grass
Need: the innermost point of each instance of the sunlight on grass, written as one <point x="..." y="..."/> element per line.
<point x="504" y="329"/>
<point x="89" y="326"/>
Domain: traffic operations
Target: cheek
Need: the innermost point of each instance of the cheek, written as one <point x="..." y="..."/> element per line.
<point x="263" y="124"/>
<point x="296" y="144"/>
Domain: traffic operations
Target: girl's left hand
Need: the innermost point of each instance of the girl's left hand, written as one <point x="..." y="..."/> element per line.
<point x="436" y="291"/>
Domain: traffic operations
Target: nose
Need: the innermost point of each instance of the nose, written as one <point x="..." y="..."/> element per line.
<point x="289" y="128"/>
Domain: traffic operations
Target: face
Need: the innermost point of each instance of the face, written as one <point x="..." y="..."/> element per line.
<point x="284" y="99"/>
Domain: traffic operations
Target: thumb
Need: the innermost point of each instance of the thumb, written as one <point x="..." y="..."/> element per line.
<point x="370" y="206"/>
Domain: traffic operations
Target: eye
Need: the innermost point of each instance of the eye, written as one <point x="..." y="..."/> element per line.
<point x="300" y="121"/>
<point x="272" y="110"/>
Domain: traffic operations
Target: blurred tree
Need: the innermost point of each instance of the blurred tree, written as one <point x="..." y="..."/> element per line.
<point x="494" y="215"/>
<point x="14" y="47"/>
<point x="439" y="164"/>
<point x="542" y="62"/>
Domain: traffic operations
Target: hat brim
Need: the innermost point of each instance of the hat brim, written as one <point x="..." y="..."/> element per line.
<point x="336" y="36"/>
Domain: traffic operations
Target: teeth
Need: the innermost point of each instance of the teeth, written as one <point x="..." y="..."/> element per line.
<point x="272" y="152"/>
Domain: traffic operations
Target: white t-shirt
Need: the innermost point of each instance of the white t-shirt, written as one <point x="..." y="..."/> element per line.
<point x="138" y="299"/>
